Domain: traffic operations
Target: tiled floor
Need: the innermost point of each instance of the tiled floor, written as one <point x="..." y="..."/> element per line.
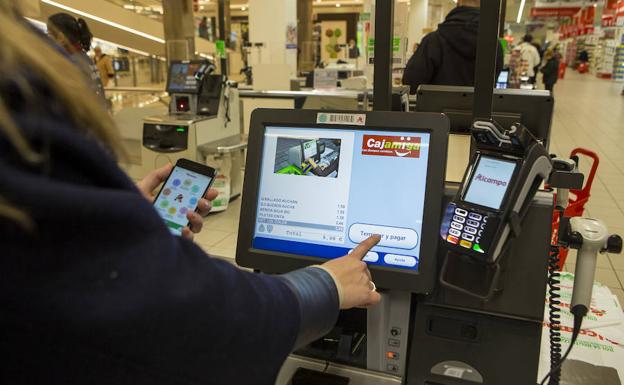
<point x="589" y="113"/>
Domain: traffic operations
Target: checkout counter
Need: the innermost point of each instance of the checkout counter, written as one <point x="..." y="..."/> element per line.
<point x="203" y="123"/>
<point x="452" y="313"/>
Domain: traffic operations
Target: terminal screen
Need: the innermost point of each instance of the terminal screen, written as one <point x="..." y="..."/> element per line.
<point x="182" y="77"/>
<point x="363" y="183"/>
<point x="490" y="181"/>
<point x="502" y="80"/>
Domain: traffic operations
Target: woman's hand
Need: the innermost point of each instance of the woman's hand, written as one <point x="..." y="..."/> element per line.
<point x="196" y="221"/>
<point x="353" y="277"/>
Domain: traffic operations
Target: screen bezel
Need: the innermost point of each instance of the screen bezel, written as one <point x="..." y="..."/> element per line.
<point x="436" y="125"/>
<point x="469" y="177"/>
<point x="198" y="81"/>
<point x="194" y="167"/>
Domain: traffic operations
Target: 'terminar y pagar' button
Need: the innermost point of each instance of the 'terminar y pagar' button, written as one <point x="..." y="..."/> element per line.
<point x="400" y="260"/>
<point x="398" y="237"/>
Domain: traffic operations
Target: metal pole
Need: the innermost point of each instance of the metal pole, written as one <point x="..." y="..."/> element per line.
<point x="503" y="15"/>
<point x="382" y="81"/>
<point x="485" y="69"/>
<point x="222" y="30"/>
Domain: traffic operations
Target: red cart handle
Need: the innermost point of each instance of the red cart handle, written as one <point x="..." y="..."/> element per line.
<point x="592" y="172"/>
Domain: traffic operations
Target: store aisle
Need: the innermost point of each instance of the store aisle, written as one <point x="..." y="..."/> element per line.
<point x="589" y="112"/>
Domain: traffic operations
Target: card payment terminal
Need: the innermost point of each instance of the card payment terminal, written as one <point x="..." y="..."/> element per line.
<point x="506" y="171"/>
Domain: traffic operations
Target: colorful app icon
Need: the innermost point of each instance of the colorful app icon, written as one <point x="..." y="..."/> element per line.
<point x="176" y="182"/>
<point x="183" y="210"/>
<point x="179" y="198"/>
<point x="164" y="204"/>
<point x="187" y="182"/>
<point x="172" y="210"/>
<point x="166" y="192"/>
<point x="195" y="189"/>
<point x="193" y="201"/>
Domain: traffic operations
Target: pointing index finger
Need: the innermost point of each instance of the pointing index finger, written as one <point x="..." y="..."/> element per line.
<point x="360" y="251"/>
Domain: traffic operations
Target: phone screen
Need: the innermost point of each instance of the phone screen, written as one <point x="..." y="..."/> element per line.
<point x="179" y="195"/>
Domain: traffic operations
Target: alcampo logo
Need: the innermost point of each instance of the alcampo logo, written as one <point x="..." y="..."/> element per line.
<point x="485" y="179"/>
<point x="401" y="146"/>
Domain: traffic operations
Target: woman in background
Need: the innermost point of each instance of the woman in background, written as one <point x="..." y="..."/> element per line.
<point x="74" y="36"/>
<point x="550" y="70"/>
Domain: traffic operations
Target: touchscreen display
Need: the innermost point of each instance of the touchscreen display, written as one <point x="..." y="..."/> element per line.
<point x="179" y="195"/>
<point x="489" y="182"/>
<point x="365" y="183"/>
<point x="502" y="80"/>
<point x="182" y="77"/>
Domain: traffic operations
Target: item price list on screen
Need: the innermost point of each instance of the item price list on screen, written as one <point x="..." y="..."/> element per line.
<point x="277" y="217"/>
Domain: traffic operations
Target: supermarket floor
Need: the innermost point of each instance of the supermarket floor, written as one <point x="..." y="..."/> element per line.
<point x="589" y="113"/>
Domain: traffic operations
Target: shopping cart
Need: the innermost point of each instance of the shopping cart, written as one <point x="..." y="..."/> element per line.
<point x="576" y="202"/>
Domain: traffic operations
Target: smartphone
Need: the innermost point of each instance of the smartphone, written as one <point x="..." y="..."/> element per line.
<point x="181" y="192"/>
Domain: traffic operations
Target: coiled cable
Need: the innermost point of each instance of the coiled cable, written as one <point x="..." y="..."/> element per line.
<point x="554" y="314"/>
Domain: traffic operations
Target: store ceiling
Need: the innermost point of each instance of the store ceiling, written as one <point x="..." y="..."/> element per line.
<point x="153" y="8"/>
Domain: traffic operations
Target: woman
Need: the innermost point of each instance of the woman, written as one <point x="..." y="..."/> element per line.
<point x="104" y="65"/>
<point x="550" y="70"/>
<point x="74" y="36"/>
<point x="94" y="289"/>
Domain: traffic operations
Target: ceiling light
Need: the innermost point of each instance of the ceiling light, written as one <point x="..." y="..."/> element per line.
<point x="104" y="21"/>
<point x="520" y="11"/>
<point x="337" y="5"/>
<point x="243" y="8"/>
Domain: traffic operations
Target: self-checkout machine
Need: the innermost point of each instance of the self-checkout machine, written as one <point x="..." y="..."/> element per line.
<point x="203" y="123"/>
<point x="463" y="286"/>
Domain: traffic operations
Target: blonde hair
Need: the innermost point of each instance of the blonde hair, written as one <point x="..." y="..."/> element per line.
<point x="21" y="48"/>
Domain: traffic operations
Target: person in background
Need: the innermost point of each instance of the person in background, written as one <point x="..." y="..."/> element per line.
<point x="583" y="56"/>
<point x="95" y="289"/>
<point x="538" y="47"/>
<point x="448" y="55"/>
<point x="529" y="56"/>
<point x="354" y="51"/>
<point x="550" y="70"/>
<point x="104" y="64"/>
<point x="74" y="36"/>
<point x="202" y="30"/>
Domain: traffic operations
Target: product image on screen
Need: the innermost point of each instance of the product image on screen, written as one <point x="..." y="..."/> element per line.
<point x="183" y="77"/>
<point x="358" y="183"/>
<point x="179" y="195"/>
<point x="489" y="182"/>
<point x="304" y="156"/>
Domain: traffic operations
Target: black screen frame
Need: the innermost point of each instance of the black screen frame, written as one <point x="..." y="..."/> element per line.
<point x="198" y="81"/>
<point x="533" y="108"/>
<point x="436" y="125"/>
<point x="470" y="176"/>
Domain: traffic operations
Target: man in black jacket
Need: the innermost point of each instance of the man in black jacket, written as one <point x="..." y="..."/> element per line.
<point x="448" y="55"/>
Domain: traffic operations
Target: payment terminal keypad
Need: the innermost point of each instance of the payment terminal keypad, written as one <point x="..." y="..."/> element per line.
<point x="466" y="229"/>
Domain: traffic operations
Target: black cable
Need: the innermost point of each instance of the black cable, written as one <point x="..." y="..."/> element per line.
<point x="554" y="314"/>
<point x="578" y="320"/>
